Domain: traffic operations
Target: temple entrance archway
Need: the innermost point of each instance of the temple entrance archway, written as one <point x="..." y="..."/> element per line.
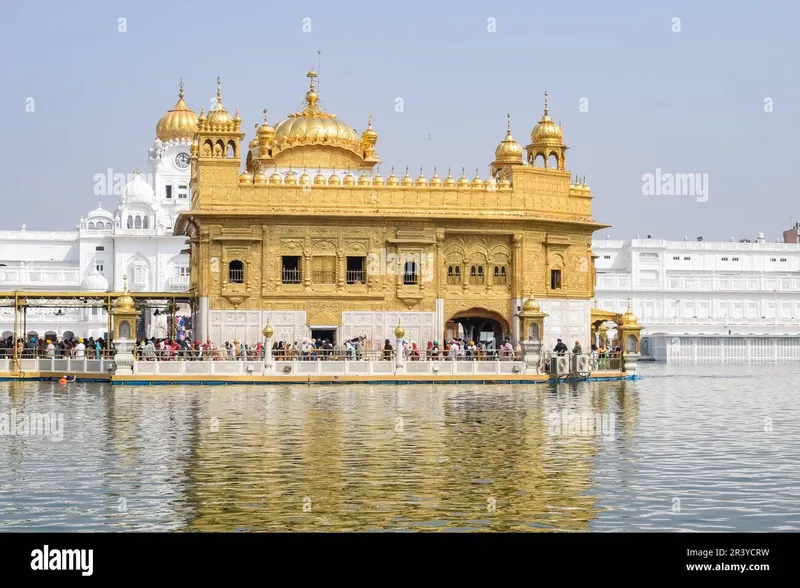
<point x="479" y="324"/>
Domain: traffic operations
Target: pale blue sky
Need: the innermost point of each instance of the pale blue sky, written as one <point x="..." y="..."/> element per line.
<point x="684" y="102"/>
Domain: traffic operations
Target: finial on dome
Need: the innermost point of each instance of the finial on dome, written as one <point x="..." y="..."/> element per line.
<point x="311" y="75"/>
<point x="545" y="102"/>
<point x="125" y="282"/>
<point x="369" y="121"/>
<point x="180" y="92"/>
<point x="508" y="123"/>
<point x="219" y="90"/>
<point x="137" y="171"/>
<point x="265" y="116"/>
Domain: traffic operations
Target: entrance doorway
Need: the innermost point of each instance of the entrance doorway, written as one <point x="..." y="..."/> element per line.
<point x="323" y="334"/>
<point x="478" y="325"/>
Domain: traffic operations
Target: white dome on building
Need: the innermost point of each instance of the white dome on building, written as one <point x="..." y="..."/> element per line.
<point x="95" y="282"/>
<point x="100" y="213"/>
<point x="137" y="190"/>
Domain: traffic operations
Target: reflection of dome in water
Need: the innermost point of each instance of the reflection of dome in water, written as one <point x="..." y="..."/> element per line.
<point x="95" y="282"/>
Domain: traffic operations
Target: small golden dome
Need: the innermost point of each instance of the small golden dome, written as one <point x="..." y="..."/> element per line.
<point x="449" y="181"/>
<point x="246" y="178"/>
<point x="236" y="117"/>
<point x="399" y="332"/>
<point x="265" y="131"/>
<point x="305" y="179"/>
<point x="268" y="331"/>
<point x="218" y="117"/>
<point x="369" y="136"/>
<point x="319" y="179"/>
<point x="334" y="180"/>
<point x="392" y="179"/>
<point x="546" y="131"/>
<point x="531" y="306"/>
<point x="290" y="179"/>
<point x="463" y="182"/>
<point x="125" y="302"/>
<point x="508" y="151"/>
<point x="421" y="181"/>
<point x="201" y="118"/>
<point x="178" y="123"/>
<point x="363" y="179"/>
<point x="253" y="143"/>
<point x="349" y="179"/>
<point x="260" y="179"/>
<point x="276" y="179"/>
<point x="377" y="180"/>
<point x="436" y="181"/>
<point x="477" y="182"/>
<point x="628" y="319"/>
<point x="406" y="182"/>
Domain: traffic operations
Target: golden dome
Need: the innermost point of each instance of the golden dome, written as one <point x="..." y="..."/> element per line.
<point x="178" y="123"/>
<point x="477" y="182"/>
<point x="377" y="180"/>
<point x="421" y="181"/>
<point x="546" y="131"/>
<point x="369" y="136"/>
<point x="276" y="179"/>
<point x="449" y="181"/>
<point x="268" y="331"/>
<point x="265" y="132"/>
<point x="508" y="151"/>
<point x="218" y="115"/>
<point x="125" y="302"/>
<point x="290" y="179"/>
<point x="399" y="332"/>
<point x="628" y="319"/>
<point x="260" y="179"/>
<point x="246" y="178"/>
<point x="406" y="182"/>
<point x="463" y="182"/>
<point x="363" y="179"/>
<point x="319" y="179"/>
<point x="531" y="306"/>
<point x="305" y="179"/>
<point x="334" y="180"/>
<point x="392" y="179"/>
<point x="314" y="126"/>
<point x="349" y="179"/>
<point x="436" y="181"/>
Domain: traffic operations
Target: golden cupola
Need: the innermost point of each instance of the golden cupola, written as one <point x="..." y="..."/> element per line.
<point x="219" y="119"/>
<point x="178" y="124"/>
<point x="265" y="134"/>
<point x="547" y="141"/>
<point x="508" y="151"/>
<point x="315" y="138"/>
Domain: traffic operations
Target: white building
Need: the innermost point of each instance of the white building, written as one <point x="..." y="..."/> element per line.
<point x="133" y="240"/>
<point x="701" y="300"/>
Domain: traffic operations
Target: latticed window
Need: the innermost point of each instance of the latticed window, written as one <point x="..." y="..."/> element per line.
<point x="500" y="275"/>
<point x="453" y="274"/>
<point x="476" y="274"/>
<point x="236" y="272"/>
<point x="323" y="269"/>
<point x="410" y="276"/>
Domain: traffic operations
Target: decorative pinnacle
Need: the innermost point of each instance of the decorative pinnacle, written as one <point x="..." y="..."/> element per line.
<point x="369" y="122"/>
<point x="311" y="75"/>
<point x="545" y="102"/>
<point x="265" y="116"/>
<point x="219" y="91"/>
<point x="124" y="282"/>
<point x="508" y="123"/>
<point x="180" y="92"/>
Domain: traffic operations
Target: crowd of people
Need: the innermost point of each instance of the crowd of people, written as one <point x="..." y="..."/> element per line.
<point x="57" y="347"/>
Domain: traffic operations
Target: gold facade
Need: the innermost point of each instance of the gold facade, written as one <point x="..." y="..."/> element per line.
<point x="478" y="245"/>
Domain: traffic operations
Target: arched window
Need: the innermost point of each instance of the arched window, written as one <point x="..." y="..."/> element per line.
<point x="137" y="223"/>
<point x="552" y="161"/>
<point x="182" y="191"/>
<point x="410" y="276"/>
<point x="500" y="276"/>
<point x="476" y="274"/>
<point x="109" y="226"/>
<point x="146" y="222"/>
<point x="539" y="161"/>
<point x="231" y="149"/>
<point x="236" y="272"/>
<point x="168" y="191"/>
<point x="90" y="226"/>
<point x="130" y="221"/>
<point x="453" y="275"/>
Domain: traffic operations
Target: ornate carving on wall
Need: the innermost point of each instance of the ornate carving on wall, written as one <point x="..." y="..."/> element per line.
<point x="501" y="306"/>
<point x="324" y="313"/>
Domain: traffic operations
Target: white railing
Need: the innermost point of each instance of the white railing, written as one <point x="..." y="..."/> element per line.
<point x="765" y="284"/>
<point x="179" y="283"/>
<point x="39" y="277"/>
<point x="65" y="366"/>
<point x="326" y="368"/>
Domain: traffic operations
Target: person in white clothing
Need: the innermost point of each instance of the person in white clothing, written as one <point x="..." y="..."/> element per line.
<point x="80" y="349"/>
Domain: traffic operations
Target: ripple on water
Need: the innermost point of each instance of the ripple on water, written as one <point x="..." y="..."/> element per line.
<point x="691" y="449"/>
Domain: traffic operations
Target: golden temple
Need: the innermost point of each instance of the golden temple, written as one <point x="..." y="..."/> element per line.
<point x="298" y="228"/>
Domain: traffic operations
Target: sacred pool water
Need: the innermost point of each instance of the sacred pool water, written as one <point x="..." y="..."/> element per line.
<point x="692" y="448"/>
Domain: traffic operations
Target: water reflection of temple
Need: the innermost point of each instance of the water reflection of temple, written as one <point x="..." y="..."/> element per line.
<point x="393" y="457"/>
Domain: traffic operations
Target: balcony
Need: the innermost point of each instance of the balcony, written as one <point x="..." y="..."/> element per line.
<point x="178" y="283"/>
